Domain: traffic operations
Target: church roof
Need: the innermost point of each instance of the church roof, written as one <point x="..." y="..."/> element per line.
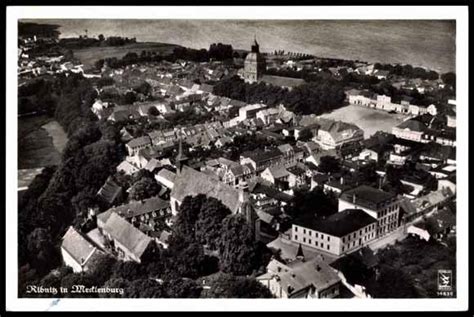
<point x="192" y="183"/>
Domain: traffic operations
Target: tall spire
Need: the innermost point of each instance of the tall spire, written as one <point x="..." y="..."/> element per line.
<point x="181" y="159"/>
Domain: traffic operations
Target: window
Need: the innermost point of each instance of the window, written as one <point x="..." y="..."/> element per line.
<point x="316" y="243"/>
<point x="342" y="249"/>
<point x="316" y="234"/>
<point x="328" y="246"/>
<point x="296" y="229"/>
<point x="309" y="232"/>
<point x="343" y="239"/>
<point x="322" y="236"/>
<point x="304" y="239"/>
<point x="309" y="241"/>
<point x="296" y="237"/>
<point x="328" y="238"/>
<point x="322" y="245"/>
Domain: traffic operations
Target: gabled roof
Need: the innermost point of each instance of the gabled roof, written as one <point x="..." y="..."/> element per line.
<point x="314" y="273"/>
<point x="412" y="125"/>
<point x="140" y="141"/>
<point x="126" y="234"/>
<point x="77" y="246"/>
<point x="284" y="148"/>
<point x="192" y="183"/>
<point x="137" y="208"/>
<point x="110" y="190"/>
<point x="278" y="171"/>
<point x="167" y="175"/>
<point x="261" y="155"/>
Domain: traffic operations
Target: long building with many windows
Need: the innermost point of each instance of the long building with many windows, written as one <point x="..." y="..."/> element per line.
<point x="380" y="205"/>
<point x="337" y="234"/>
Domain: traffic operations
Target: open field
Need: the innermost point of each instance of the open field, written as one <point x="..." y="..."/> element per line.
<point x="88" y="56"/>
<point x="369" y="120"/>
<point x="41" y="141"/>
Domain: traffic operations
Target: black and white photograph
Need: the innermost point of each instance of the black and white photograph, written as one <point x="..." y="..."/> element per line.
<point x="262" y="154"/>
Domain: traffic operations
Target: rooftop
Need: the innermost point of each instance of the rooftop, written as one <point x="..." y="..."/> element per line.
<point x="192" y="183"/>
<point x="137" y="208"/>
<point x="78" y="247"/>
<point x="367" y="196"/>
<point x="341" y="223"/>
<point x="125" y="233"/>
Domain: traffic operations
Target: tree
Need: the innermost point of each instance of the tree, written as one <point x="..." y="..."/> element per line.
<point x="100" y="270"/>
<point x="182" y="288"/>
<point x="115" y="283"/>
<point x="449" y="79"/>
<point x="153" y="111"/>
<point x="329" y="164"/>
<point x="238" y="250"/>
<point x="392" y="283"/>
<point x="144" y="288"/>
<point x="144" y="188"/>
<point x="186" y="258"/>
<point x="41" y="249"/>
<point x="185" y="224"/>
<point x="209" y="222"/>
<point x="305" y="135"/>
<point x="73" y="280"/>
<point x="128" y="270"/>
<point x="304" y="201"/>
<point x="229" y="286"/>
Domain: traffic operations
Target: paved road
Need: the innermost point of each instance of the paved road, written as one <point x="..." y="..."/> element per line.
<point x="391" y="238"/>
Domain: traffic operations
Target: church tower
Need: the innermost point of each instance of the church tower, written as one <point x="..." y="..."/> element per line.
<point x="181" y="159"/>
<point x="254" y="64"/>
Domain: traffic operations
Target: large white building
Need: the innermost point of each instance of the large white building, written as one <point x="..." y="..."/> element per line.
<point x="378" y="204"/>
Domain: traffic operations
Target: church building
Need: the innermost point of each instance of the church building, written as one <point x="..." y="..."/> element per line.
<point x="254" y="65"/>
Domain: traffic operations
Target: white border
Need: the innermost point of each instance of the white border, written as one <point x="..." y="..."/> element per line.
<point x="460" y="14"/>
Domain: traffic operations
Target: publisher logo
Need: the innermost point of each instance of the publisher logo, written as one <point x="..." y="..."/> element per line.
<point x="445" y="280"/>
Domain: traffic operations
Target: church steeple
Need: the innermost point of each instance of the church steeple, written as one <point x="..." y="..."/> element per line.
<point x="181" y="159"/>
<point x="255" y="46"/>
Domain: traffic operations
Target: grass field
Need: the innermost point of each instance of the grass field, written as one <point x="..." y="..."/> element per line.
<point x="369" y="120"/>
<point x="41" y="141"/>
<point x="88" y="56"/>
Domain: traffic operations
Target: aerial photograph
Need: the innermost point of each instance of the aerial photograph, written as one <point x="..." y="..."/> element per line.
<point x="234" y="158"/>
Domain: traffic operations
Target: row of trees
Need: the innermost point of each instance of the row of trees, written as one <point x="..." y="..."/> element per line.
<point x="90" y="156"/>
<point x="219" y="52"/>
<point x="101" y="40"/>
<point x="316" y="97"/>
<point x="408" y="71"/>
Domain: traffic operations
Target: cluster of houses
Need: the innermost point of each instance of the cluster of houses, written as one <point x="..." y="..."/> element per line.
<point x="262" y="182"/>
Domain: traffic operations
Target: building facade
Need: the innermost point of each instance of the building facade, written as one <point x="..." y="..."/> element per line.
<point x="378" y="204"/>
